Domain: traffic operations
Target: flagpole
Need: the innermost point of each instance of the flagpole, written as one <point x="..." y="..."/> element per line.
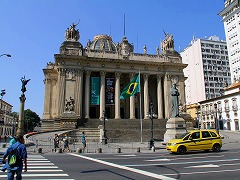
<point x="140" y="113"/>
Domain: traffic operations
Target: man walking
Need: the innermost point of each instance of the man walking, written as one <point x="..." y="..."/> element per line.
<point x="21" y="157"/>
<point x="83" y="140"/>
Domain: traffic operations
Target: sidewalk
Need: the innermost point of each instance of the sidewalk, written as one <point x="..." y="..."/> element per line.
<point x="231" y="140"/>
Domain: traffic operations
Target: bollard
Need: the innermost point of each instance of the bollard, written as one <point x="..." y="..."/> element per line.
<point x="79" y="150"/>
<point x="138" y="149"/>
<point x="118" y="150"/>
<point x="153" y="149"/>
<point x="39" y="150"/>
<point x="59" y="150"/>
<point x="99" y="150"/>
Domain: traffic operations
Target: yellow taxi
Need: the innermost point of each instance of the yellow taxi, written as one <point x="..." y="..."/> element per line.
<point x="196" y="140"/>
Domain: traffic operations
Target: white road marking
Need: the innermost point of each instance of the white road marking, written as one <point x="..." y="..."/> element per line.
<point x="159" y="160"/>
<point x="42" y="167"/>
<point x="179" y="163"/>
<point x="127" y="155"/>
<point x="204" y="166"/>
<point x="203" y="172"/>
<point x="157" y="176"/>
<point x="39" y="175"/>
<point x="45" y="170"/>
<point x="40" y="164"/>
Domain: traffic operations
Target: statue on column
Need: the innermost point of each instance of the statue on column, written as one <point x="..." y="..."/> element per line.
<point x="175" y="102"/>
<point x="24" y="83"/>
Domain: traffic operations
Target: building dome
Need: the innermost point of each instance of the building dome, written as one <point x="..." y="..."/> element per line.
<point x="103" y="43"/>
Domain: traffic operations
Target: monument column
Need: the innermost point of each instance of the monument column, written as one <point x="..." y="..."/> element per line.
<point x="61" y="90"/>
<point x="167" y="96"/>
<point x="146" y="96"/>
<point x="87" y="94"/>
<point x="159" y="96"/>
<point x="102" y="94"/>
<point x="132" y="101"/>
<point x="117" y="95"/>
<point x="79" y="92"/>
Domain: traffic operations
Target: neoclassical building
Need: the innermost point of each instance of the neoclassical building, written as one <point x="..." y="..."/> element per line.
<point x="84" y="82"/>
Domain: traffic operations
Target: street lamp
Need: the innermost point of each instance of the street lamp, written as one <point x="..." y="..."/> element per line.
<point x="151" y="115"/>
<point x="216" y="124"/>
<point x="8" y="55"/>
<point x="104" y="138"/>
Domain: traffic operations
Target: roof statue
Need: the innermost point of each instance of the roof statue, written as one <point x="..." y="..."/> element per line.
<point x="71" y="33"/>
<point x="168" y="42"/>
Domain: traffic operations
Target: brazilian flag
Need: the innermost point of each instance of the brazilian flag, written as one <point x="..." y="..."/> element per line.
<point x="132" y="88"/>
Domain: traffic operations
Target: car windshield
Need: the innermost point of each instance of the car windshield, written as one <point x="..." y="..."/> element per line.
<point x="180" y="136"/>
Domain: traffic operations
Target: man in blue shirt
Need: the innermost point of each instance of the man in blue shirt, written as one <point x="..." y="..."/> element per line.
<point x="22" y="154"/>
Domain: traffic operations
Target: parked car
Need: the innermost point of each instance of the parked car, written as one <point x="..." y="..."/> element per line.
<point x="196" y="140"/>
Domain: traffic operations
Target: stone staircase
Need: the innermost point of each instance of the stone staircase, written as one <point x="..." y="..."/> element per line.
<point x="91" y="134"/>
<point x="126" y="130"/>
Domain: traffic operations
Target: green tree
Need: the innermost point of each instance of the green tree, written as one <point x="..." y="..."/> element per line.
<point x="31" y="119"/>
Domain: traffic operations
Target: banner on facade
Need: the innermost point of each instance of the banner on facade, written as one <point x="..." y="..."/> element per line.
<point x="95" y="91"/>
<point x="110" y="91"/>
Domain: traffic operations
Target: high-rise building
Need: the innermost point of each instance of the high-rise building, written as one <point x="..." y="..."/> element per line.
<point x="208" y="69"/>
<point x="231" y="20"/>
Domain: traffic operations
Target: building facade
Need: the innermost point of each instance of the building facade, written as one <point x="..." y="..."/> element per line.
<point x="208" y="70"/>
<point x="84" y="82"/>
<point x="7" y="122"/>
<point x="223" y="111"/>
<point x="231" y="18"/>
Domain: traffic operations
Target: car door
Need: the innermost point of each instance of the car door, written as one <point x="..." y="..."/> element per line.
<point x="206" y="140"/>
<point x="195" y="141"/>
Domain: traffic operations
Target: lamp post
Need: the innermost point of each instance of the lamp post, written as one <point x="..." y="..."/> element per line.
<point x="151" y="115"/>
<point x="216" y="124"/>
<point x="8" y="55"/>
<point x="104" y="138"/>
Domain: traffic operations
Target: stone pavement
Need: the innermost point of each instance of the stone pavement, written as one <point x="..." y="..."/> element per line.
<point x="231" y="140"/>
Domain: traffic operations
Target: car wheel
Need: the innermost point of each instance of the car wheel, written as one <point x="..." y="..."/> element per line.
<point x="216" y="148"/>
<point x="182" y="150"/>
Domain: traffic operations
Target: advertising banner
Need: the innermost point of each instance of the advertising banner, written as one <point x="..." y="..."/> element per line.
<point x="110" y="91"/>
<point x="95" y="91"/>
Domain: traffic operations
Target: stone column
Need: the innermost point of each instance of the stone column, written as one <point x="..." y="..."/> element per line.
<point x="78" y="93"/>
<point x="167" y="96"/>
<point x="159" y="96"/>
<point x="20" y="130"/>
<point x="87" y="94"/>
<point x="132" y="101"/>
<point x="146" y="96"/>
<point x="47" y="98"/>
<point x="117" y="95"/>
<point x="102" y="93"/>
<point x="61" y="91"/>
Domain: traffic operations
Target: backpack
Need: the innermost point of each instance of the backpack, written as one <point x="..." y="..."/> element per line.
<point x="13" y="157"/>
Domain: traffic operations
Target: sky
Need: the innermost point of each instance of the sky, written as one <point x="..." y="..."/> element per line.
<point x="32" y="31"/>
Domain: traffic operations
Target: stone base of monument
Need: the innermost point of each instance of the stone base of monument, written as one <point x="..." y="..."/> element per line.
<point x="174" y="127"/>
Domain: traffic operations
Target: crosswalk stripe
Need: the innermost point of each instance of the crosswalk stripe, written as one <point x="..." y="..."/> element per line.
<point x="40" y="167"/>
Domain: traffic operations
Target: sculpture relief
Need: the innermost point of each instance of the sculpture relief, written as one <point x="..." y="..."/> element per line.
<point x="69" y="104"/>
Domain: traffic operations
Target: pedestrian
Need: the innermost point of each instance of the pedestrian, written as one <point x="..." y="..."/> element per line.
<point x="83" y="140"/>
<point x="5" y="138"/>
<point x="56" y="142"/>
<point x="66" y="143"/>
<point x="22" y="157"/>
<point x="12" y="140"/>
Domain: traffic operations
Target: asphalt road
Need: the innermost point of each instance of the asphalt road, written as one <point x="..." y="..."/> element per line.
<point x="140" y="166"/>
